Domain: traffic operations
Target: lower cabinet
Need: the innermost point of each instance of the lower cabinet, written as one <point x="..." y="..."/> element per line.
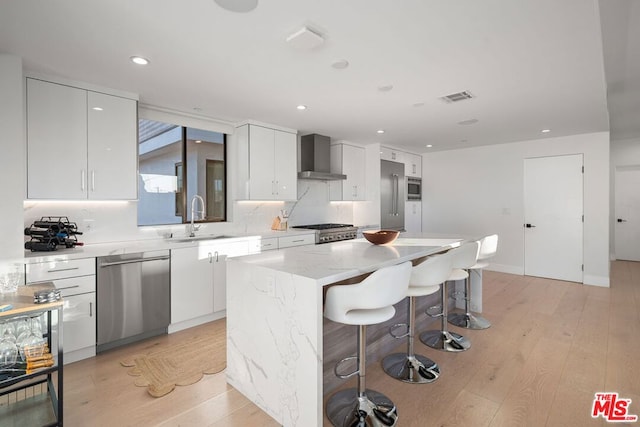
<point x="76" y="281"/>
<point x="413" y="217"/>
<point x="191" y="283"/>
<point x="199" y="282"/>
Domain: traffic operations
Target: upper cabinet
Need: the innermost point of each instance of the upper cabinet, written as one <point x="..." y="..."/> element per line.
<point x="392" y="154"/>
<point x="80" y="144"/>
<point x="412" y="162"/>
<point x="413" y="165"/>
<point x="268" y="160"/>
<point x="348" y="160"/>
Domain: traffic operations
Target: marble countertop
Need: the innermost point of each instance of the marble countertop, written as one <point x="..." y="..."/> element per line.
<point x="333" y="262"/>
<point x="133" y="246"/>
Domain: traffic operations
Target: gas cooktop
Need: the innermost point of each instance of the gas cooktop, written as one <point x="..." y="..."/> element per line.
<point x="330" y="232"/>
<point x="326" y="226"/>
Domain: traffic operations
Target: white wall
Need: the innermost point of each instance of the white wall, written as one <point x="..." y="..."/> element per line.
<point x="12" y="161"/>
<point x="479" y="191"/>
<point x="624" y="152"/>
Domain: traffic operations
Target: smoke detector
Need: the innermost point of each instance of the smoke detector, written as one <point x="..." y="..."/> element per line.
<point x="457" y="97"/>
<point x="305" y="39"/>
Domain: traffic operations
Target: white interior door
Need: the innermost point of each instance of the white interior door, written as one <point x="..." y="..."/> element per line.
<point x="553" y="198"/>
<point x="627" y="217"/>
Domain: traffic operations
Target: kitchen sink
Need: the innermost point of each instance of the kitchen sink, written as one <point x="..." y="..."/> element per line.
<point x="200" y="238"/>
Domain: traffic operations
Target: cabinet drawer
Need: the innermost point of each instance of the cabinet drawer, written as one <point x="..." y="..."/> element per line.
<point x="264" y="244"/>
<point x="300" y="240"/>
<point x="49" y="271"/>
<point x="75" y="285"/>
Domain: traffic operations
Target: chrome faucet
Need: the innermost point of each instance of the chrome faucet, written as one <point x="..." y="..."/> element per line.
<point x="193" y="228"/>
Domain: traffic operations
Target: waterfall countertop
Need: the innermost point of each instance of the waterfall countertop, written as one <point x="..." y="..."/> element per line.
<point x="275" y="318"/>
<point x="330" y="263"/>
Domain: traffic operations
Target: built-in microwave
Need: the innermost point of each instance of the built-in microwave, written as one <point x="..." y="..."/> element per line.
<point x="414" y="188"/>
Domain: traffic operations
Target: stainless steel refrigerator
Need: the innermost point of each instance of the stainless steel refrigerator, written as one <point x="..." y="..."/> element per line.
<point x="392" y="195"/>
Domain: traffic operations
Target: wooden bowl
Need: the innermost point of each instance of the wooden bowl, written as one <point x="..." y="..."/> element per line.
<point x="380" y="237"/>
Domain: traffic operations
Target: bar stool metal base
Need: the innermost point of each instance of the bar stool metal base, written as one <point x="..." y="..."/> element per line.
<point x="346" y="409"/>
<point x="468" y="321"/>
<point x="445" y="341"/>
<point x="415" y="370"/>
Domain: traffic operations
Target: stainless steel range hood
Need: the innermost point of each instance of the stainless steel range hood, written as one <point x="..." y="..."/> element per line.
<point x="315" y="158"/>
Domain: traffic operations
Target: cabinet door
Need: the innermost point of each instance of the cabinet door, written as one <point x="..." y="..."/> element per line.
<point x="348" y="160"/>
<point x="220" y="283"/>
<point x="191" y="283"/>
<point x="261" y="166"/>
<point x="285" y="166"/>
<point x="413" y="165"/>
<point x="56" y="141"/>
<point x="391" y="154"/>
<point x="112" y="150"/>
<point x="79" y="322"/>
<point x="413" y="217"/>
<point x="353" y="161"/>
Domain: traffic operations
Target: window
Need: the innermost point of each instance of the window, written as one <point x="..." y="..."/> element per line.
<point x="175" y="163"/>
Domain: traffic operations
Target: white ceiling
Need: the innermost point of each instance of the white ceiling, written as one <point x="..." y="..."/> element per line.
<point x="532" y="64"/>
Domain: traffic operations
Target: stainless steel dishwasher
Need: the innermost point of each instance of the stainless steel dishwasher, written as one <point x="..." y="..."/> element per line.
<point x="133" y="297"/>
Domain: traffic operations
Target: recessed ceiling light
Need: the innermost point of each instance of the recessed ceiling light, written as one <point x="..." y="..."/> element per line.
<point x="301" y="107"/>
<point x="340" y="64"/>
<point x="385" y="87"/>
<point x="139" y="60"/>
<point x="97" y="108"/>
<point x="239" y="6"/>
<point x="428" y="145"/>
<point x="546" y="130"/>
<point x="418" y="104"/>
<point x="198" y="141"/>
<point x="380" y="131"/>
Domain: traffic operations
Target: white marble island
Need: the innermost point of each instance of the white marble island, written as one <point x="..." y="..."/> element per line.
<point x="274" y="318"/>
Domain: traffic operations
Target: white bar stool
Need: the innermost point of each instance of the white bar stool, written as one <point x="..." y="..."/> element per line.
<point x="366" y="303"/>
<point x="463" y="257"/>
<point x="409" y="367"/>
<point x="469" y="320"/>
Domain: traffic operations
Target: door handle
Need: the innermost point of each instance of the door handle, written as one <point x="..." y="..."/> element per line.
<point x="622" y="220"/>
<point x="529" y="226"/>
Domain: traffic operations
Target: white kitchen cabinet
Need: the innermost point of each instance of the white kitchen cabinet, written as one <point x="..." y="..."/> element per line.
<point x="76" y="281"/>
<point x="112" y="153"/>
<point x="413" y="217"/>
<point x="413" y="165"/>
<point x="270" y="171"/>
<point x="297" y="240"/>
<point x="263" y="244"/>
<point x="350" y="161"/>
<point x="387" y="153"/>
<point x="191" y="283"/>
<point x="80" y="144"/>
<point x="199" y="282"/>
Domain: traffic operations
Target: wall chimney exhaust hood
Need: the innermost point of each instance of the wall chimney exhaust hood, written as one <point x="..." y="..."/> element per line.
<point x="315" y="158"/>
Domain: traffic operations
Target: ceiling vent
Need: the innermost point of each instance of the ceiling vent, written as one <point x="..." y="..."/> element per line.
<point x="457" y="97"/>
<point x="305" y="39"/>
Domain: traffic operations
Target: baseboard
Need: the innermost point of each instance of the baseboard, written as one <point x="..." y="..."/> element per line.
<point x="595" y="280"/>
<point x="502" y="268"/>
<point x="83" y="353"/>
<point x="175" y="327"/>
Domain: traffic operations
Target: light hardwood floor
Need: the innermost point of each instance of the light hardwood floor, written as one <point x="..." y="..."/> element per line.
<point x="551" y="347"/>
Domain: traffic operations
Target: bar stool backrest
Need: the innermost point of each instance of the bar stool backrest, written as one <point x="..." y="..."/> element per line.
<point x="432" y="271"/>
<point x="465" y="255"/>
<point x="377" y="293"/>
<point x="488" y="247"/>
